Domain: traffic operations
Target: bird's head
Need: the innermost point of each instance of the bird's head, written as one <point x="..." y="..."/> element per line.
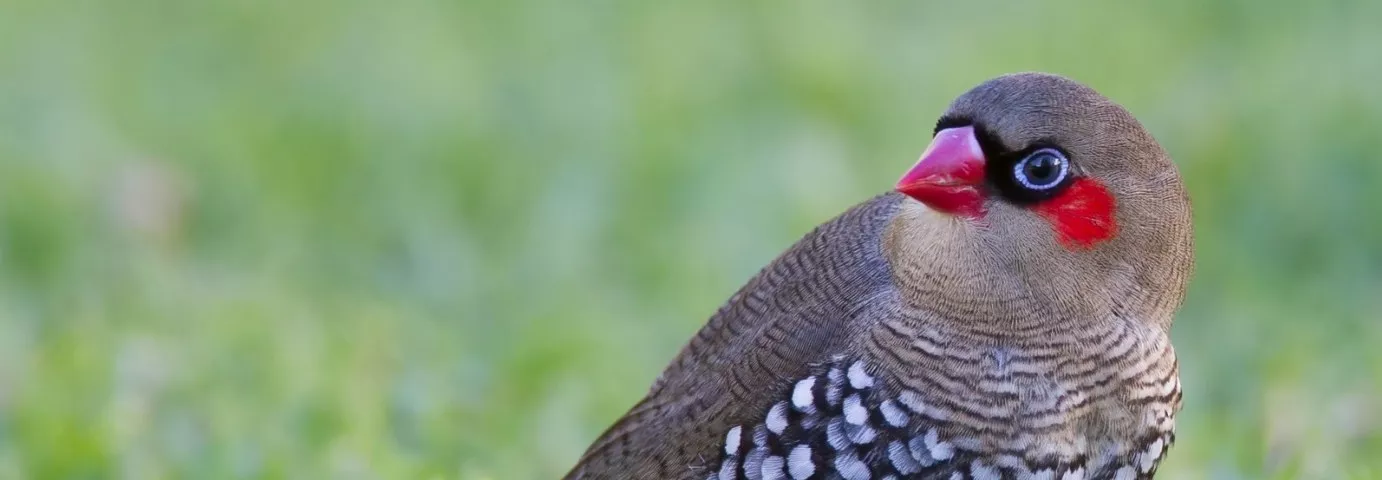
<point x="1035" y="185"/>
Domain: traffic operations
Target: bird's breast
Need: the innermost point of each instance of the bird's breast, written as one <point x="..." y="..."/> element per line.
<point x="936" y="410"/>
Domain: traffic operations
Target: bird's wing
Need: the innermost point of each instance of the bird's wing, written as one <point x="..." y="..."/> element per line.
<point x="737" y="378"/>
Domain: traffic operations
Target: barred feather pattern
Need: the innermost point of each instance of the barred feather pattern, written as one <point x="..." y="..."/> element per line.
<point x="850" y="421"/>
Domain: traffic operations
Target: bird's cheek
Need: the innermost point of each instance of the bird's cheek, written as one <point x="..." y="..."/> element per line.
<point x="1082" y="215"/>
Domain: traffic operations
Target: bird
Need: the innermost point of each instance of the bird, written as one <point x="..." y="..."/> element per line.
<point x="1003" y="312"/>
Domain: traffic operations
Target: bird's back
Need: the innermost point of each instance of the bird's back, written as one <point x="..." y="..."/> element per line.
<point x="774" y="330"/>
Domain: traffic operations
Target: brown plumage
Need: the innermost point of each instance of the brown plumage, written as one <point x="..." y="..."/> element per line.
<point x="1005" y="316"/>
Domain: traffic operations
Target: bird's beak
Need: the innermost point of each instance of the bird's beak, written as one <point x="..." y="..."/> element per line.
<point x="949" y="176"/>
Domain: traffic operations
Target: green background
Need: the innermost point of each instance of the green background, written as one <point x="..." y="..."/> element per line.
<point x="426" y="239"/>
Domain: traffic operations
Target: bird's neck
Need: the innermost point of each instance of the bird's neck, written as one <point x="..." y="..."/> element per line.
<point x="937" y="266"/>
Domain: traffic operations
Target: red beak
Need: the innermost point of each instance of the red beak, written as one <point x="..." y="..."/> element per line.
<point x="949" y="176"/>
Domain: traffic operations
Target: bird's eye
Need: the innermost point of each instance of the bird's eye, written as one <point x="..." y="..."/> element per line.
<point x="1041" y="170"/>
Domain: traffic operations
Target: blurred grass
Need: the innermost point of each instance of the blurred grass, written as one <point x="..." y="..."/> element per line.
<point x="455" y="240"/>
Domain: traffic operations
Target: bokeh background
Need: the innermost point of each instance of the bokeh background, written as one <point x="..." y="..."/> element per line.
<point x="429" y="239"/>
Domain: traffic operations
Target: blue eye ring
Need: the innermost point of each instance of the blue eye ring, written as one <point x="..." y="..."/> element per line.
<point x="1042" y="170"/>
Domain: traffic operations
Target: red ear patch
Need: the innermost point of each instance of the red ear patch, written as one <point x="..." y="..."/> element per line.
<point x="1082" y="215"/>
